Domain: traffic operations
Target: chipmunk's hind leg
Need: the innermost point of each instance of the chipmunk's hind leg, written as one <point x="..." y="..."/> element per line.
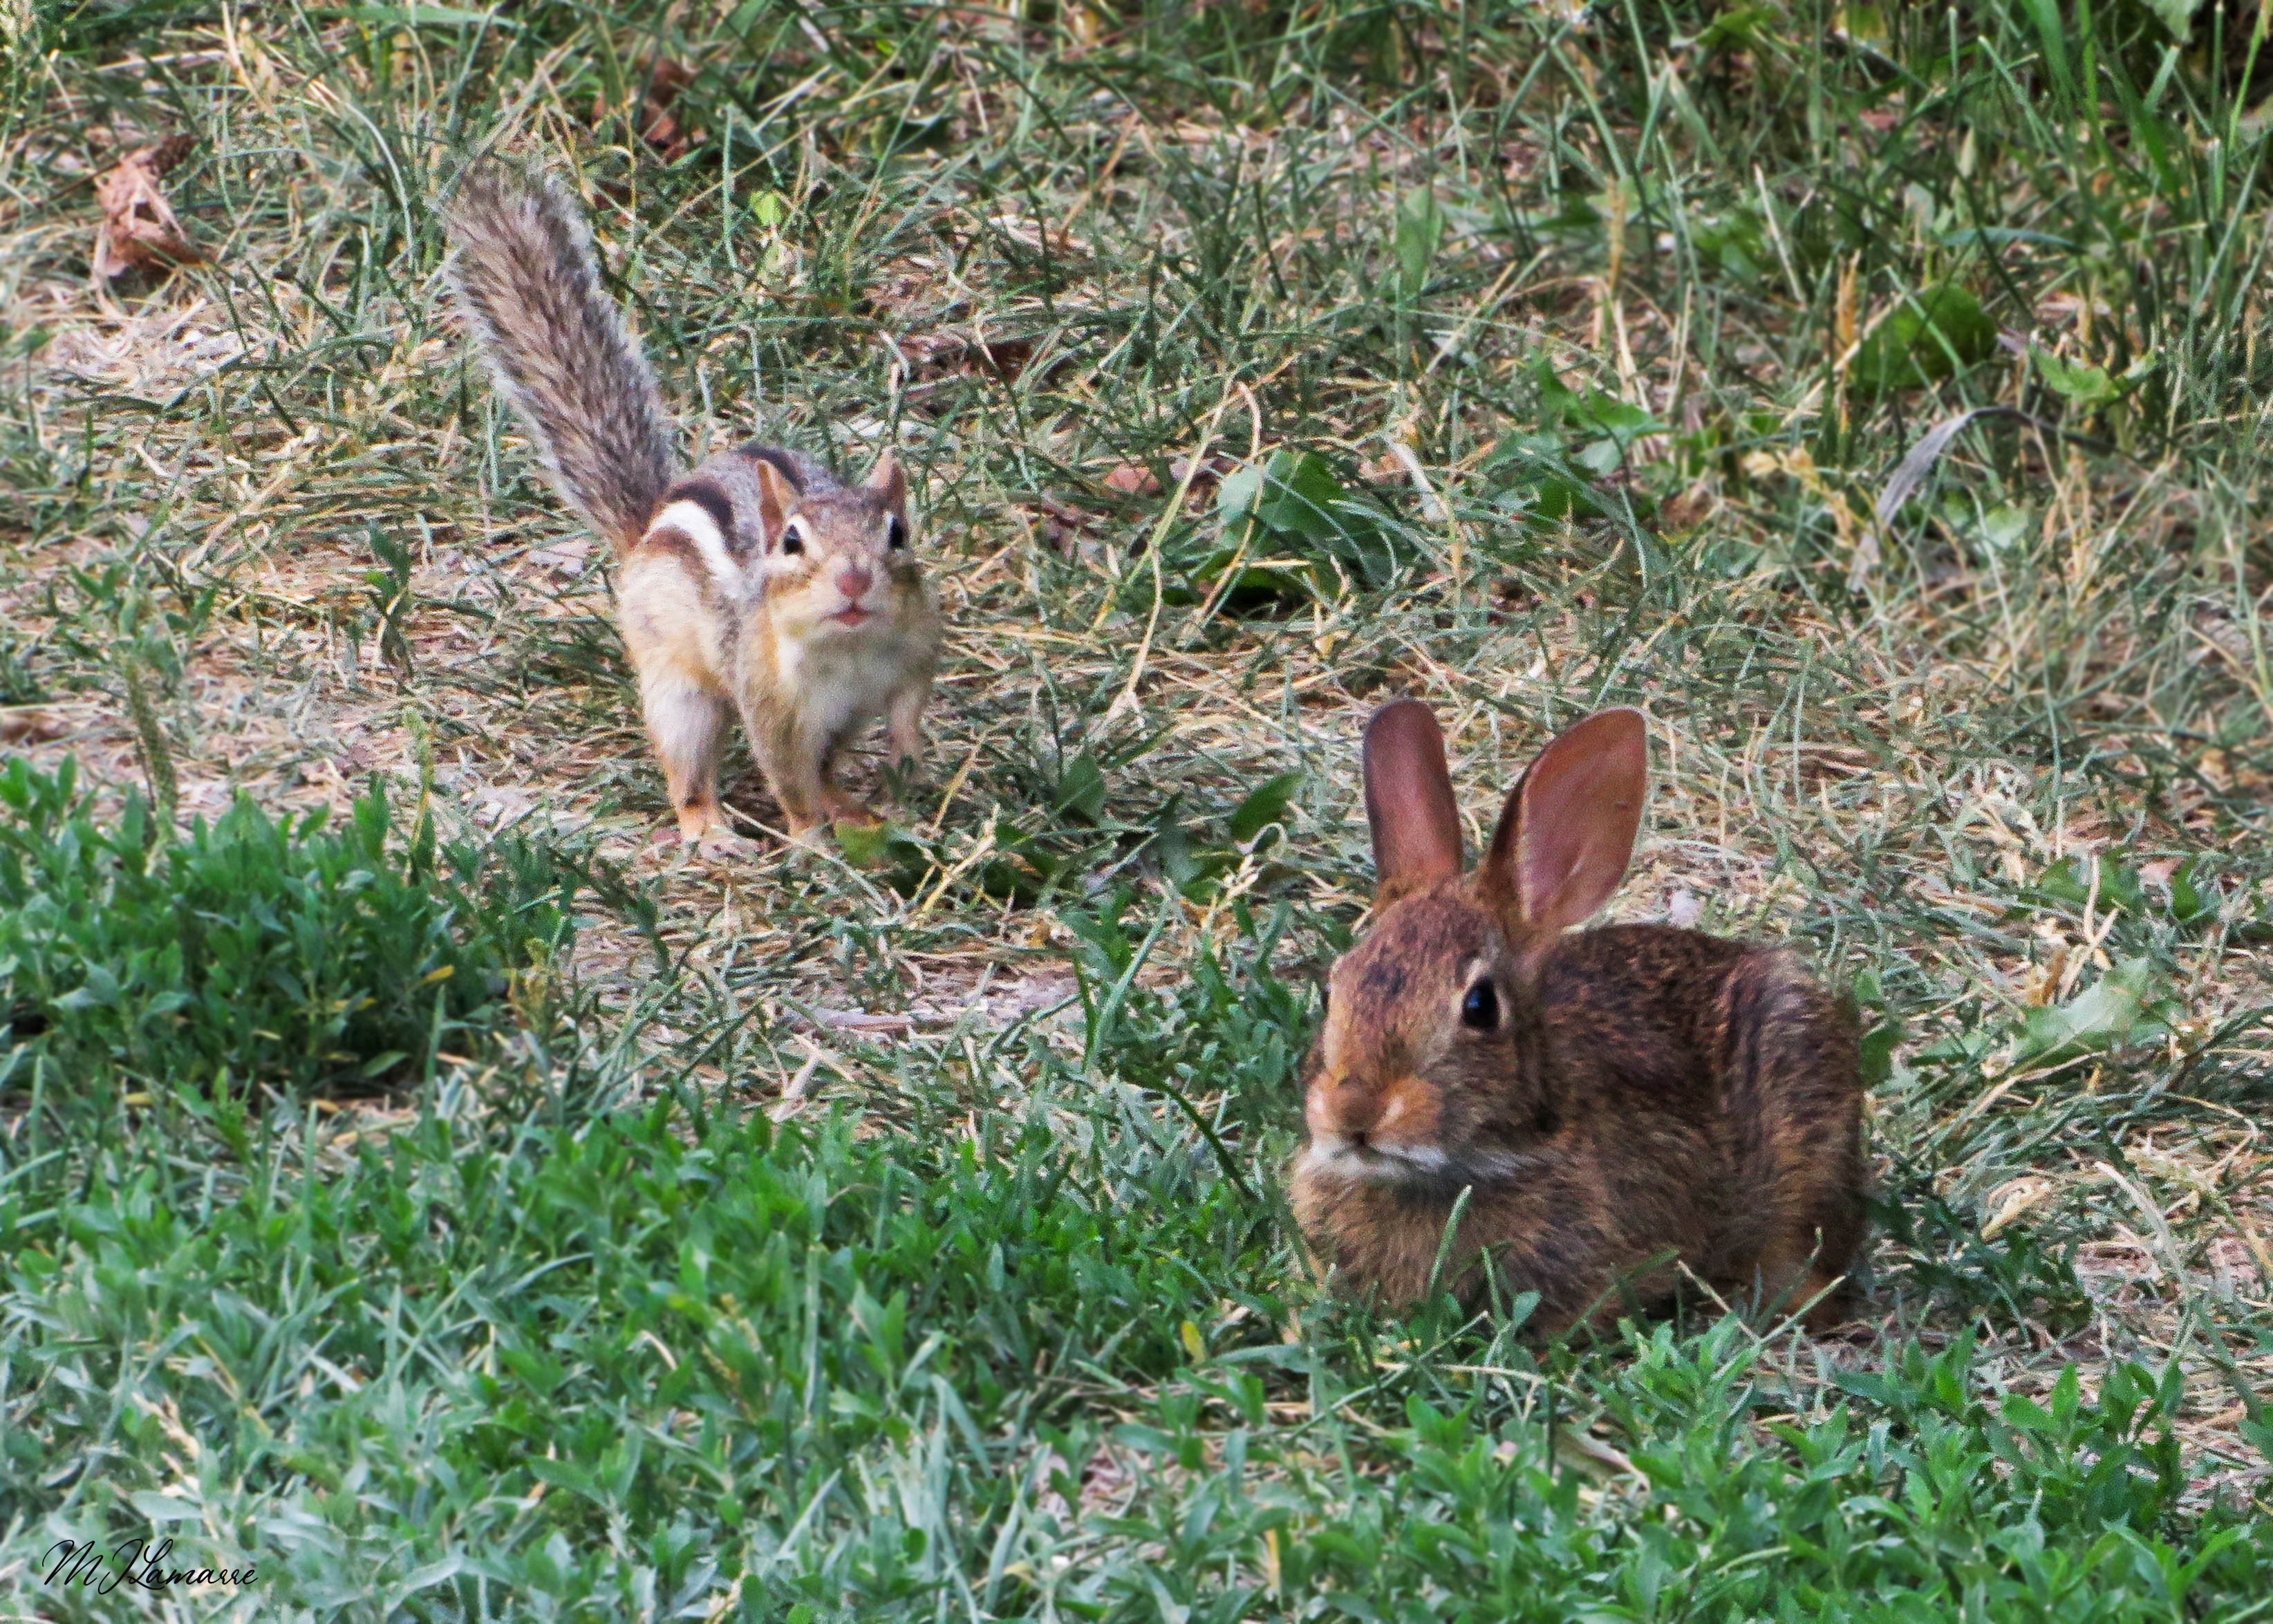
<point x="686" y="724"/>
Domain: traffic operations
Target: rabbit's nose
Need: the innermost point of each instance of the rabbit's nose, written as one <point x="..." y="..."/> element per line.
<point x="1345" y="1108"/>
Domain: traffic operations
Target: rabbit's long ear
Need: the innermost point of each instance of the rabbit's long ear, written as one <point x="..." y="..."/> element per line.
<point x="1408" y="801"/>
<point x="1563" y="842"/>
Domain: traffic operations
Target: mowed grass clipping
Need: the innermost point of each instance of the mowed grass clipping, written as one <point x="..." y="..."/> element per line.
<point x="1877" y="396"/>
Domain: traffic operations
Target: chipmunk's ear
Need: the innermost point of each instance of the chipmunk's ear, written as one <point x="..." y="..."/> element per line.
<point x="887" y="477"/>
<point x="777" y="500"/>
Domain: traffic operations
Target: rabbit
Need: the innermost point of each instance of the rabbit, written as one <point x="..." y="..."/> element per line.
<point x="1618" y="1102"/>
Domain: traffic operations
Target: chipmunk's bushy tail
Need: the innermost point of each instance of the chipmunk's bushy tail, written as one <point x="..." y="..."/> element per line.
<point x="526" y="279"/>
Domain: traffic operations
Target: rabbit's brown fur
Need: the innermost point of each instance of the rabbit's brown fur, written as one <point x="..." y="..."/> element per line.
<point x="1643" y="1094"/>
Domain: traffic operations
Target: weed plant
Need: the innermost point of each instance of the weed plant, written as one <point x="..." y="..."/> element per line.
<point x="254" y="953"/>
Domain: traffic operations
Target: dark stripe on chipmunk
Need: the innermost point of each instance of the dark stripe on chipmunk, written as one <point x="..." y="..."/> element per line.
<point x="782" y="463"/>
<point x="712" y="501"/>
<point x="670" y="539"/>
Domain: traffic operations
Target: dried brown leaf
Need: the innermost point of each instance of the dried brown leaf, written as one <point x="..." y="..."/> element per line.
<point x="138" y="230"/>
<point x="659" y="124"/>
<point x="26" y="726"/>
<point x="656" y="117"/>
<point x="1132" y="479"/>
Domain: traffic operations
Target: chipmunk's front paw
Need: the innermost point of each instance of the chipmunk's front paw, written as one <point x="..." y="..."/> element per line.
<point x="723" y="845"/>
<point x="704" y="833"/>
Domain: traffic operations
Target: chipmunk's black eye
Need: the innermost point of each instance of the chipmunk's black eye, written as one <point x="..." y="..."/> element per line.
<point x="896" y="534"/>
<point x="792" y="539"/>
<point x="1480" y="1009"/>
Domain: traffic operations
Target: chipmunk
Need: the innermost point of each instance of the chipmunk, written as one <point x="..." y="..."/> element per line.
<point x="756" y="584"/>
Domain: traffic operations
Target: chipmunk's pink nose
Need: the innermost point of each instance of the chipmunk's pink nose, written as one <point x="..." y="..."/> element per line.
<point x="854" y="582"/>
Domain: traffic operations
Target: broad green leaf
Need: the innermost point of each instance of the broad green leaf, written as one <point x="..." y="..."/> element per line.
<point x="1865" y="24"/>
<point x="862" y="843"/>
<point x="2190" y="903"/>
<point x="2075" y="382"/>
<point x="1876" y="1053"/>
<point x="2176" y="16"/>
<point x="1081" y="789"/>
<point x="1420" y="228"/>
<point x="1734" y="240"/>
<point x="1302" y="498"/>
<point x="1236" y="497"/>
<point x="1928" y="336"/>
<point x="1264" y="805"/>
<point x="1741" y="27"/>
<point x="2114" y="887"/>
<point x="1306" y="520"/>
<point x="166" y="1507"/>
<point x="2112" y="1012"/>
<point x="2004" y="528"/>
<point x="416" y="16"/>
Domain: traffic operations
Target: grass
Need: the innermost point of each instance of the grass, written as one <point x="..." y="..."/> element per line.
<point x="292" y="957"/>
<point x="900" y="1234"/>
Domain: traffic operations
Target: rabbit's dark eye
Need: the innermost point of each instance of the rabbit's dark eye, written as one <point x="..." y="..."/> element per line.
<point x="1480" y="1009"/>
<point x="896" y="534"/>
<point x="792" y="539"/>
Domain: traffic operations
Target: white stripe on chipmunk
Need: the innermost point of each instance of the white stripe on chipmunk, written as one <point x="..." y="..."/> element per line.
<point x="693" y="520"/>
